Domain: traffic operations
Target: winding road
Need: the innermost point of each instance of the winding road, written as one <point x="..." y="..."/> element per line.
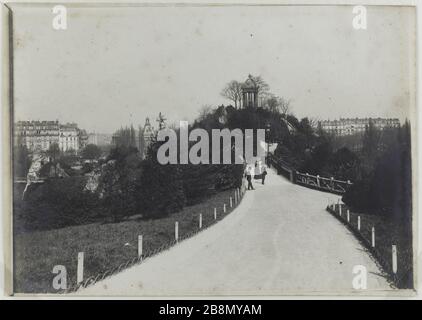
<point x="279" y="241"/>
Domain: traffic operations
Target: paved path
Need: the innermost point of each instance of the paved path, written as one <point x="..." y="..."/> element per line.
<point x="280" y="240"/>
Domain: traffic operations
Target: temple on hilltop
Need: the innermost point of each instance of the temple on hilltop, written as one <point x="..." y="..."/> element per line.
<point x="250" y="93"/>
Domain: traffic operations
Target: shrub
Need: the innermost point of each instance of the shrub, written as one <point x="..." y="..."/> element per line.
<point x="159" y="191"/>
<point x="54" y="204"/>
<point x="387" y="191"/>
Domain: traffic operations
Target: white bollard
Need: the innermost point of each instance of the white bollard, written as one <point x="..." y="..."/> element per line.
<point x="176" y="231"/>
<point x="224" y="208"/>
<point x="80" y="270"/>
<point x="373" y="237"/>
<point x="231" y="202"/>
<point x="200" y="221"/>
<point x="358" y="223"/>
<point x="394" y="257"/>
<point x="139" y="246"/>
<point x="339" y="209"/>
<point x="348" y="215"/>
<point x="215" y="213"/>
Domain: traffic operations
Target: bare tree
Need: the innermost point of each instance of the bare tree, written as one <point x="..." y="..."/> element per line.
<point x="271" y="103"/>
<point x="53" y="153"/>
<point x="277" y="104"/>
<point x="284" y="106"/>
<point x="204" y="112"/>
<point x="263" y="89"/>
<point x="233" y="92"/>
<point x="313" y="122"/>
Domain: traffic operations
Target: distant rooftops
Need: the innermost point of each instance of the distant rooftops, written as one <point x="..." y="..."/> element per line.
<point x="361" y="120"/>
<point x="37" y="122"/>
<point x="46" y="123"/>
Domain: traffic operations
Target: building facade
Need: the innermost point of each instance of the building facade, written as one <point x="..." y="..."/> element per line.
<point x="69" y="137"/>
<point x="99" y="139"/>
<point x="349" y="126"/>
<point x="38" y="136"/>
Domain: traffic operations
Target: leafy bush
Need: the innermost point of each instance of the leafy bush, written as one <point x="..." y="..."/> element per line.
<point x="54" y="204"/>
<point x="22" y="161"/>
<point x="159" y="192"/>
<point x="91" y="151"/>
<point x="387" y="191"/>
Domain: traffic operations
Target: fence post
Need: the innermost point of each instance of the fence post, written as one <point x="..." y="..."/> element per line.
<point x="394" y="258"/>
<point x="139" y="246"/>
<point x="348" y="215"/>
<point x="317" y="179"/>
<point x="358" y="223"/>
<point x="231" y="202"/>
<point x="224" y="208"/>
<point x="339" y="208"/>
<point x="176" y="231"/>
<point x="200" y="221"/>
<point x="80" y="270"/>
<point x="215" y="213"/>
<point x="373" y="237"/>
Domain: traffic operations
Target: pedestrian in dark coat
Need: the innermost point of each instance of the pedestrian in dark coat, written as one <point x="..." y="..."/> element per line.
<point x="249" y="178"/>
<point x="263" y="175"/>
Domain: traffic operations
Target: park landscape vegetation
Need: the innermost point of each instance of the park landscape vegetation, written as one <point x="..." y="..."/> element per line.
<point x="60" y="217"/>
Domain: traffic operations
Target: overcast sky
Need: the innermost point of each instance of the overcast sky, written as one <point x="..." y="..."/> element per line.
<point x="115" y="66"/>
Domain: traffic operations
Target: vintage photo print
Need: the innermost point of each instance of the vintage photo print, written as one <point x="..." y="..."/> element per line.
<point x="211" y="149"/>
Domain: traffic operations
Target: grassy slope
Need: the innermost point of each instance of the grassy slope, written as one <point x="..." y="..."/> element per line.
<point x="387" y="233"/>
<point x="36" y="253"/>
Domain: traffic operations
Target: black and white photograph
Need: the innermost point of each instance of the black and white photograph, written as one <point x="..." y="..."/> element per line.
<point x="194" y="150"/>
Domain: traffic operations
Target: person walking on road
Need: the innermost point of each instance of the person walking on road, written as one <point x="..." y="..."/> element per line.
<point x="249" y="178"/>
<point x="263" y="174"/>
